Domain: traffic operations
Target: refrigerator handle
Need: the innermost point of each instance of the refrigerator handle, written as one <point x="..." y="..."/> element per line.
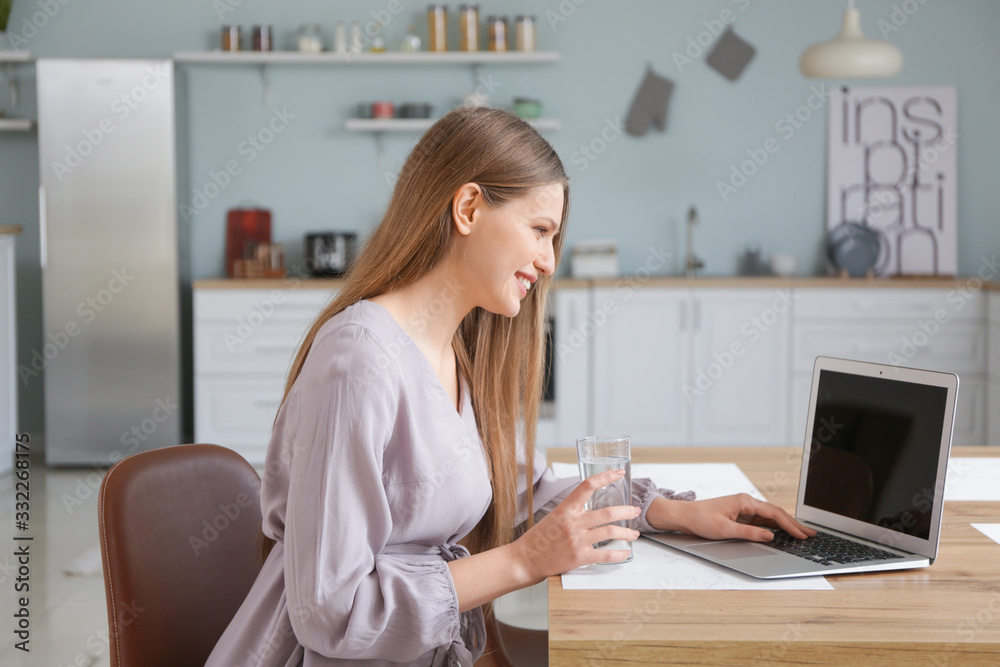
<point x="42" y="227"/>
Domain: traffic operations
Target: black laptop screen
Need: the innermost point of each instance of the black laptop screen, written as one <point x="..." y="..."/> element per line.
<point x="875" y="447"/>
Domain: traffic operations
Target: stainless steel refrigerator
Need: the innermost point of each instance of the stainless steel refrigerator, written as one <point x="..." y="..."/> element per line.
<point x="108" y="222"/>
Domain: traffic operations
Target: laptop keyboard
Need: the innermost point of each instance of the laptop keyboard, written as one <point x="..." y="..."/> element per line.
<point x="827" y="549"/>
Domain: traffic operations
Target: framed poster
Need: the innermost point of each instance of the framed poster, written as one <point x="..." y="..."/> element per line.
<point x="892" y="167"/>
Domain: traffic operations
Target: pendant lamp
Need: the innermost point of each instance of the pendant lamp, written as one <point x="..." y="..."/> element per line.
<point x="850" y="54"/>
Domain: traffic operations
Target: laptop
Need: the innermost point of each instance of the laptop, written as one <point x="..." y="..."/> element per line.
<point x="876" y="452"/>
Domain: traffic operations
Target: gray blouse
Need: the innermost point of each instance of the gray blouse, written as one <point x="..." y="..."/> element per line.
<point x="370" y="479"/>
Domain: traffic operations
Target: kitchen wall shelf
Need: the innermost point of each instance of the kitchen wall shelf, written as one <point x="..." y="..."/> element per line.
<point x="16" y="124"/>
<point x="387" y="58"/>
<point x="421" y="124"/>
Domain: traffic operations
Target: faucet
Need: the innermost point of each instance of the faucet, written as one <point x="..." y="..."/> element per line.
<point x="691" y="261"/>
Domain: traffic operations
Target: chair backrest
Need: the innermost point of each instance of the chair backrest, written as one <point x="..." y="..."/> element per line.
<point x="179" y="541"/>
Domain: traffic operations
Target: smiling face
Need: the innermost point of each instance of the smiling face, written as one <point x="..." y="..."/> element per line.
<point x="505" y="249"/>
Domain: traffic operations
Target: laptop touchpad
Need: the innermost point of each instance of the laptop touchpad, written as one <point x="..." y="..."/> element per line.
<point x="733" y="550"/>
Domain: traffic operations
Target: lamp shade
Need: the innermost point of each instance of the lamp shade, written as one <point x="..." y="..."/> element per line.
<point x="851" y="55"/>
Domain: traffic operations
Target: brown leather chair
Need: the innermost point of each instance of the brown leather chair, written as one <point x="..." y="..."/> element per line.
<point x="179" y="540"/>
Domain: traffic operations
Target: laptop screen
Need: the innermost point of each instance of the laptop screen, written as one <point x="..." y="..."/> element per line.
<point x="874" y="450"/>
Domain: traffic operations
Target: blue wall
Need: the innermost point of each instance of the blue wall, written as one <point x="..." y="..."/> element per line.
<point x="316" y="176"/>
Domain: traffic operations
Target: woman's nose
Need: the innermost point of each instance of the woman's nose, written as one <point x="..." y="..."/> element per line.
<point x="546" y="262"/>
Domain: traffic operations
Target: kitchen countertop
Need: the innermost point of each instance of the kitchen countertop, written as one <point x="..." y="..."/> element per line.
<point x="10" y="229"/>
<point x="655" y="281"/>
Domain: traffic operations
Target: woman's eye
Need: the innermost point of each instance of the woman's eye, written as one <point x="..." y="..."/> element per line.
<point x="541" y="230"/>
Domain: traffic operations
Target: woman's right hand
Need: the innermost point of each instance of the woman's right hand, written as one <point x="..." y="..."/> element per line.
<point x="564" y="539"/>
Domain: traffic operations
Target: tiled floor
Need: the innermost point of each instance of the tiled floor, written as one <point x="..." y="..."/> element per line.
<point x="68" y="616"/>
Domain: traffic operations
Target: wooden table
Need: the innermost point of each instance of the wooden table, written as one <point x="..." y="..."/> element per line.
<point x="946" y="614"/>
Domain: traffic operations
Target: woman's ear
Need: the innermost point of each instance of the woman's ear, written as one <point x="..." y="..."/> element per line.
<point x="464" y="207"/>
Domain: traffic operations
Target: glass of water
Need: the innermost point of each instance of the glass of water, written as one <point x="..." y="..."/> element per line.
<point x="596" y="454"/>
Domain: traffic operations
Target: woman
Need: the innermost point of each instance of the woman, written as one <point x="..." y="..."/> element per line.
<point x="396" y="437"/>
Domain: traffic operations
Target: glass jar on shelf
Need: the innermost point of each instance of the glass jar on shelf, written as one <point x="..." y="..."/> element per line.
<point x="497" y="28"/>
<point x="524" y="33"/>
<point x="310" y="40"/>
<point x="411" y="42"/>
<point x="437" y="28"/>
<point x="231" y="38"/>
<point x="468" y="27"/>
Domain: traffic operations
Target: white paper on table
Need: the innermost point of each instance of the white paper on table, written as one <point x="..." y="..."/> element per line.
<point x="656" y="566"/>
<point x="972" y="478"/>
<point x="990" y="530"/>
<point x="707" y="480"/>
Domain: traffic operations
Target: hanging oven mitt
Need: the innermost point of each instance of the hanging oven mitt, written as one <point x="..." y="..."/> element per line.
<point x="650" y="104"/>
<point x="730" y="55"/>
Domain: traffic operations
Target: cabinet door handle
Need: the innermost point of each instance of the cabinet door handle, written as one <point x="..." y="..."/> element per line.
<point x="273" y="347"/>
<point x="43" y="249"/>
<point x="867" y="348"/>
<point x="696" y="305"/>
<point x="876" y="305"/>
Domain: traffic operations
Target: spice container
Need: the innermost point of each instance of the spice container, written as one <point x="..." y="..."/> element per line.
<point x="468" y="27"/>
<point x="437" y="28"/>
<point x="231" y="38"/>
<point x="340" y="38"/>
<point x="524" y="33"/>
<point x="497" y="27"/>
<point x="309" y="39"/>
<point x="383" y="109"/>
<point x="357" y="40"/>
<point x="411" y="42"/>
<point x="262" y="38"/>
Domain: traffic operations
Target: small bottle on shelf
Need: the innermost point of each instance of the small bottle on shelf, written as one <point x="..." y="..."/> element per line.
<point x="340" y="38"/>
<point x="378" y="42"/>
<point x="411" y="41"/>
<point x="357" y="42"/>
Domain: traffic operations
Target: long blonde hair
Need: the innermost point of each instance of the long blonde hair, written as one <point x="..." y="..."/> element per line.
<point x="500" y="357"/>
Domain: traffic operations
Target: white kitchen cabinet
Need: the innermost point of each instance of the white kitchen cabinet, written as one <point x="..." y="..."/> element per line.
<point x="740" y="348"/>
<point x="641" y="342"/>
<point x="702" y="367"/>
<point x="571" y="356"/>
<point x="244" y="343"/>
<point x="935" y="329"/>
<point x="8" y="353"/>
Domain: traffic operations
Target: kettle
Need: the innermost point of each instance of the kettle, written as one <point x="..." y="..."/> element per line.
<point x="329" y="254"/>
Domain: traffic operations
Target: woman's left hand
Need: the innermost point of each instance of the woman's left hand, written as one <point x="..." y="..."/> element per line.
<point x="738" y="516"/>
